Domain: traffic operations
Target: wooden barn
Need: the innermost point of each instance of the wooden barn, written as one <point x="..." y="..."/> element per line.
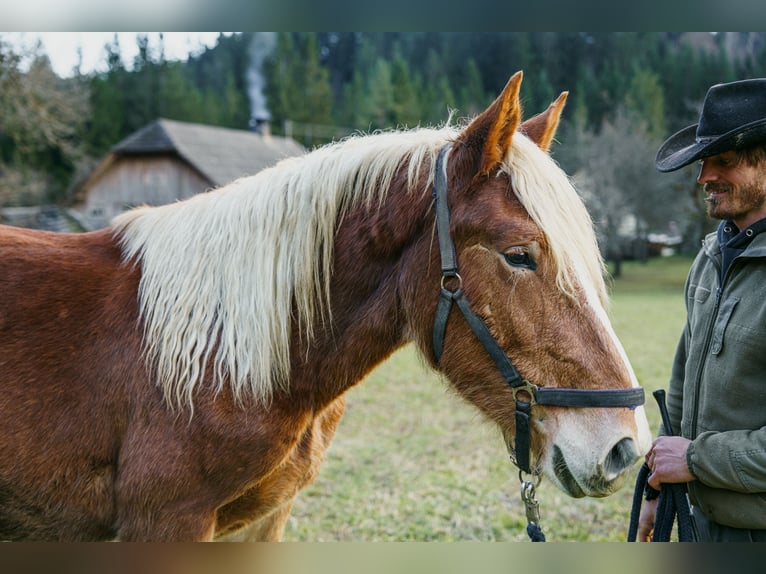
<point x="167" y="161"/>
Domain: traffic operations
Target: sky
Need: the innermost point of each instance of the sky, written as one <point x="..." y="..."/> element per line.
<point x="62" y="47"/>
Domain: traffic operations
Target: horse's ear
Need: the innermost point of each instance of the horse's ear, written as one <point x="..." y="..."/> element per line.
<point x="542" y="127"/>
<point x="491" y="132"/>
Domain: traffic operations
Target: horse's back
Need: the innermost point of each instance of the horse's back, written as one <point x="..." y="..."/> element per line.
<point x="61" y="292"/>
<point x="36" y="250"/>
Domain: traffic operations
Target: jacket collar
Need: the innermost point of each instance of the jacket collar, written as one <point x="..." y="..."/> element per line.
<point x="756" y="249"/>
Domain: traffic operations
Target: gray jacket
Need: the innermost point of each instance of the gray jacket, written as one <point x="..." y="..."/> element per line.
<point x="717" y="392"/>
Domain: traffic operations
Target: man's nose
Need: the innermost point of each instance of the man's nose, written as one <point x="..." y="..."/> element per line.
<point x="706" y="173"/>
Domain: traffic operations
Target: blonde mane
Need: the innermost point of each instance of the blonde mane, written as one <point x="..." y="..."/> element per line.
<point x="222" y="270"/>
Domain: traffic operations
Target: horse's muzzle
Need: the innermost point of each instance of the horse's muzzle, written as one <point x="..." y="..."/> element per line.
<point x="608" y="475"/>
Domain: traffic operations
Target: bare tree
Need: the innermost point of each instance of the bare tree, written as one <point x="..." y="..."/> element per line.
<point x="626" y="195"/>
<point x="41" y="120"/>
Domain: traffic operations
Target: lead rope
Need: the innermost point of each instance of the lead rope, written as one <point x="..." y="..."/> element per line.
<point x="673" y="504"/>
<point x="674" y="498"/>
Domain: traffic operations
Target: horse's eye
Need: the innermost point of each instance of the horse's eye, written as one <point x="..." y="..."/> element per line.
<point x="520" y="258"/>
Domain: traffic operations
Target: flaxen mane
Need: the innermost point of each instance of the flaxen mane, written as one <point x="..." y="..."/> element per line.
<point x="221" y="270"/>
<point x="547" y="194"/>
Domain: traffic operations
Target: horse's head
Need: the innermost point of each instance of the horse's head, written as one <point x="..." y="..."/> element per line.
<point x="529" y="267"/>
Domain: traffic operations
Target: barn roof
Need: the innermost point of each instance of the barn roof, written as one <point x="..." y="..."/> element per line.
<point x="220" y="154"/>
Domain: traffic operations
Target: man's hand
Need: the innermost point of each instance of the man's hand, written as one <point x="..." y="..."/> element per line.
<point x="667" y="460"/>
<point x="646" y="520"/>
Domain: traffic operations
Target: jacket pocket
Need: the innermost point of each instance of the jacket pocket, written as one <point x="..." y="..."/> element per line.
<point x="724" y="315"/>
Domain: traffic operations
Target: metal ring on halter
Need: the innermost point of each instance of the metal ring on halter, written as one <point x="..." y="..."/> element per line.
<point x="527" y="388"/>
<point x="455" y="276"/>
<point x="535" y="476"/>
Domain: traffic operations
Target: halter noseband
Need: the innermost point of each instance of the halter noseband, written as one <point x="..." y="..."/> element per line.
<point x="521" y="388"/>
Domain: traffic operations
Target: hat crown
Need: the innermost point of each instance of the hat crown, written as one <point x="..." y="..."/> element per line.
<point x="728" y="107"/>
<point x="733" y="117"/>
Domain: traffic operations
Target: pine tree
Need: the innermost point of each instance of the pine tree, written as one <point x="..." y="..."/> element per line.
<point x="298" y="87"/>
<point x="107" y="102"/>
<point x="646" y="99"/>
<point x="472" y="98"/>
<point x="405" y="105"/>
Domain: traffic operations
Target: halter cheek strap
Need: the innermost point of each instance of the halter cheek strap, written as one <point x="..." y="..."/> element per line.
<point x="525" y="394"/>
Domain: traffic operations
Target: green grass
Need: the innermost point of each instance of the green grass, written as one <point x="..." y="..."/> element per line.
<point x="648" y="314"/>
<point x="413" y="462"/>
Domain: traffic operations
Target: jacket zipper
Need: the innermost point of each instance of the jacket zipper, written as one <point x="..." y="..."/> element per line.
<point x="706" y="350"/>
<point x="703" y="360"/>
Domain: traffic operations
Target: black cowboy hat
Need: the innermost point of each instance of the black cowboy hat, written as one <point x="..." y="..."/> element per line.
<point x="733" y="117"/>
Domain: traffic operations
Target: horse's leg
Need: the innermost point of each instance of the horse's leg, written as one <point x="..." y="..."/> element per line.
<point x="269" y="528"/>
<point x="178" y="525"/>
<point x="261" y="513"/>
<point x="165" y="500"/>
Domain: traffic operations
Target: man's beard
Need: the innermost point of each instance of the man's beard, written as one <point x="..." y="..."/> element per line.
<point x="737" y="201"/>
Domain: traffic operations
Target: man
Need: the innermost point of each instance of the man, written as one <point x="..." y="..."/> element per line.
<point x="717" y="390"/>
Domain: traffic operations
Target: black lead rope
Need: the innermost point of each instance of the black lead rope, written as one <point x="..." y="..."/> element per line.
<point x="673" y="498"/>
<point x="525" y="394"/>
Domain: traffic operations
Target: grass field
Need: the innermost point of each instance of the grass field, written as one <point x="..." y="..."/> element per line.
<point x="413" y="462"/>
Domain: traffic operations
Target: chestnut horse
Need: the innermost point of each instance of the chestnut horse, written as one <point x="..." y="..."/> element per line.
<point x="178" y="375"/>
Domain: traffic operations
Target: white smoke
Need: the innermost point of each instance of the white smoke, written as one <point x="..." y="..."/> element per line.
<point x="261" y="46"/>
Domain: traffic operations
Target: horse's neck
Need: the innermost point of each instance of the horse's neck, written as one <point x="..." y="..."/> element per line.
<point x="367" y="322"/>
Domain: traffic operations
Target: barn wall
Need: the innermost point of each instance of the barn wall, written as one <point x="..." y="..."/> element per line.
<point x="133" y="181"/>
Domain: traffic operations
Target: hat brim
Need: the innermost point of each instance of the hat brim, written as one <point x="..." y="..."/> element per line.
<point x="679" y="150"/>
<point x="682" y="148"/>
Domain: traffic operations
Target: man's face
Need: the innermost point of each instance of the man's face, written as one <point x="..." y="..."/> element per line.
<point x="735" y="190"/>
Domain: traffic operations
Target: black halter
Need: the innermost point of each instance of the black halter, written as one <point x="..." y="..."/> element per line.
<point x="525" y="394"/>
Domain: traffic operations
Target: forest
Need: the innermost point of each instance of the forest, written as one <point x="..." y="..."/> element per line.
<point x="627" y="93"/>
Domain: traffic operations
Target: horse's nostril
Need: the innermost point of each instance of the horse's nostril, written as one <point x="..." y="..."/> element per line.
<point x="621" y="456"/>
